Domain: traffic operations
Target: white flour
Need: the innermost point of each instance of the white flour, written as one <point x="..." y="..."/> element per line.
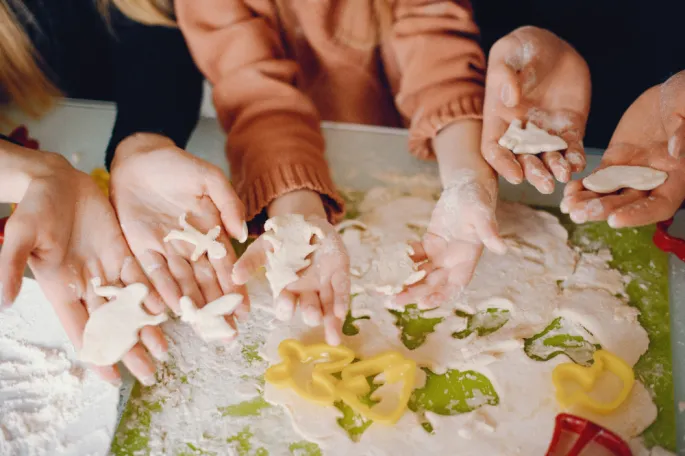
<point x="49" y="405"/>
<point x="211" y="397"/>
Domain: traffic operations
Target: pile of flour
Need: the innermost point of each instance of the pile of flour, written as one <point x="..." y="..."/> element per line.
<point x="212" y="397"/>
<point x="49" y="405"/>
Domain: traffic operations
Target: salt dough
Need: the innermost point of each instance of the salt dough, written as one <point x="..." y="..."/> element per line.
<point x="291" y="238"/>
<point x="112" y="329"/>
<point x="531" y="140"/>
<point x="612" y="178"/>
<point x="202" y="242"/>
<point x="392" y="269"/>
<point x="209" y="322"/>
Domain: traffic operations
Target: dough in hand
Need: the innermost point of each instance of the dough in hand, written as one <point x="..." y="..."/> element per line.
<point x="202" y="242"/>
<point x="613" y="178"/>
<point x="291" y="237"/>
<point x="113" y="328"/>
<point x="209" y="322"/>
<point x="531" y="140"/>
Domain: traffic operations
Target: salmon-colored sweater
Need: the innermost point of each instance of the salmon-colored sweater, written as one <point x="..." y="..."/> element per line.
<point x="280" y="66"/>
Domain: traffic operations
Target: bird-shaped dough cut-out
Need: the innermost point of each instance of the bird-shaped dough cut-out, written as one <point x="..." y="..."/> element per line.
<point x="203" y="242"/>
<point x="531" y="140"/>
<point x="292" y="240"/>
<point x="209" y="322"/>
<point x="113" y="328"/>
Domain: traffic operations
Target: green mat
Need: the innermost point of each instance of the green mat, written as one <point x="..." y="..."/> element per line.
<point x="451" y="393"/>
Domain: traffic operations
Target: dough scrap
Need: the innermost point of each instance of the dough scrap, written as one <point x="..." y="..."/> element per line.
<point x="392" y="269"/>
<point x="613" y="178"/>
<point x="202" y="242"/>
<point x="209" y="322"/>
<point x="291" y="238"/>
<point x="112" y="329"/>
<point x="531" y="140"/>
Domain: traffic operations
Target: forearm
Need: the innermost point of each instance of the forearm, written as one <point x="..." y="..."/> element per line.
<point x="457" y="149"/>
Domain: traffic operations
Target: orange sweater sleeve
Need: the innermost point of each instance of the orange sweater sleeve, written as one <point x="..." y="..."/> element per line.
<point x="442" y="67"/>
<point x="275" y="144"/>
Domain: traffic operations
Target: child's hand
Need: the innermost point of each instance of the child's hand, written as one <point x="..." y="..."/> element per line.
<point x="650" y="134"/>
<point x="463" y="219"/>
<point x="154" y="182"/>
<point x="67" y="231"/>
<point x="533" y="75"/>
<point x="323" y="290"/>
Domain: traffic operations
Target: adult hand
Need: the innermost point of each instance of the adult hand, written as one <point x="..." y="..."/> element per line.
<point x="323" y="289"/>
<point x="535" y="76"/>
<point x="66" y="230"/>
<point x="152" y="184"/>
<point x="650" y="134"/>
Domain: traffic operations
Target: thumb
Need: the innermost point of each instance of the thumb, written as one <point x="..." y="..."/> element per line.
<point x="504" y="82"/>
<point x="16" y="249"/>
<point x="250" y="261"/>
<point x="676" y="140"/>
<point x="488" y="233"/>
<point x="228" y="203"/>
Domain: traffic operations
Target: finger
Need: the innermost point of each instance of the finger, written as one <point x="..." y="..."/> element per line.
<point x="185" y="278"/>
<point x="676" y="143"/>
<point x="576" y="201"/>
<point x="110" y="374"/>
<point x="326" y="299"/>
<point x="332" y="327"/>
<point x="501" y="159"/>
<point x="575" y="155"/>
<point x="432" y="301"/>
<point x="536" y="173"/>
<point x="152" y="337"/>
<point x="223" y="267"/>
<point x="250" y="261"/>
<point x="284" y="306"/>
<point x="597" y="209"/>
<point x="19" y="242"/>
<point x="460" y="274"/>
<point x="131" y="272"/>
<point x="341" y="294"/>
<point x="573" y="187"/>
<point x="141" y="366"/>
<point x="231" y="321"/>
<point x="230" y="206"/>
<point x="311" y="308"/>
<point x="419" y="254"/>
<point x="433" y="282"/>
<point x="488" y="232"/>
<point x="205" y="276"/>
<point x="556" y="163"/>
<point x="645" y="211"/>
<point x="502" y="78"/>
<point x="156" y="268"/>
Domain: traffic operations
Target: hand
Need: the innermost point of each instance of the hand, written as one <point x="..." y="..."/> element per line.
<point x="533" y="75"/>
<point x="152" y="183"/>
<point x="323" y="289"/>
<point x="67" y="231"/>
<point x="650" y="134"/>
<point x="462" y="222"/>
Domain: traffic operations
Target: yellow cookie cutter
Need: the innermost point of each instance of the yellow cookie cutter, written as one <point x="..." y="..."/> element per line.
<point x="395" y="368"/>
<point x="323" y="360"/>
<point x="586" y="377"/>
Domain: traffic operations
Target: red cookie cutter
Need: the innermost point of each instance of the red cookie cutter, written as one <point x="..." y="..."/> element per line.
<point x="668" y="243"/>
<point x="21" y="136"/>
<point x="575" y="436"/>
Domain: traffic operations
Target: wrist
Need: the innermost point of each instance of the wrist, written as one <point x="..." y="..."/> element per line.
<point x="19" y="166"/>
<point x="305" y="202"/>
<point x="140" y="143"/>
<point x="457" y="149"/>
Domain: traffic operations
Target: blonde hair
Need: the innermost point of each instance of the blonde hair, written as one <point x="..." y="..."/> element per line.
<point x="150" y="12"/>
<point x="21" y="77"/>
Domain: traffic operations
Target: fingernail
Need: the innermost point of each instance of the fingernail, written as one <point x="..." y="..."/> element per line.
<point x="563" y="206"/>
<point x="116" y="382"/>
<point x="244" y="234"/>
<point x="671" y="147"/>
<point x="149" y="380"/>
<point x="613" y="223"/>
<point x="159" y="353"/>
<point x="505" y="95"/>
<point x="578" y="216"/>
<point x="311" y="318"/>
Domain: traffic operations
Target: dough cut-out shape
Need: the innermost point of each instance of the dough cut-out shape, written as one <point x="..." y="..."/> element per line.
<point x="113" y="328"/>
<point x="203" y="242"/>
<point x="586" y="378"/>
<point x="530" y="140"/>
<point x="308" y="369"/>
<point x="291" y="237"/>
<point x="209" y="322"/>
<point x="392" y="269"/>
<point x="612" y="178"/>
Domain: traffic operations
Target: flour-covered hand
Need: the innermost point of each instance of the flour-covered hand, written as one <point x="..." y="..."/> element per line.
<point x="66" y="230"/>
<point x="153" y="183"/>
<point x="535" y="76"/>
<point x="463" y="221"/>
<point x="650" y="134"/>
<point x="323" y="288"/>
